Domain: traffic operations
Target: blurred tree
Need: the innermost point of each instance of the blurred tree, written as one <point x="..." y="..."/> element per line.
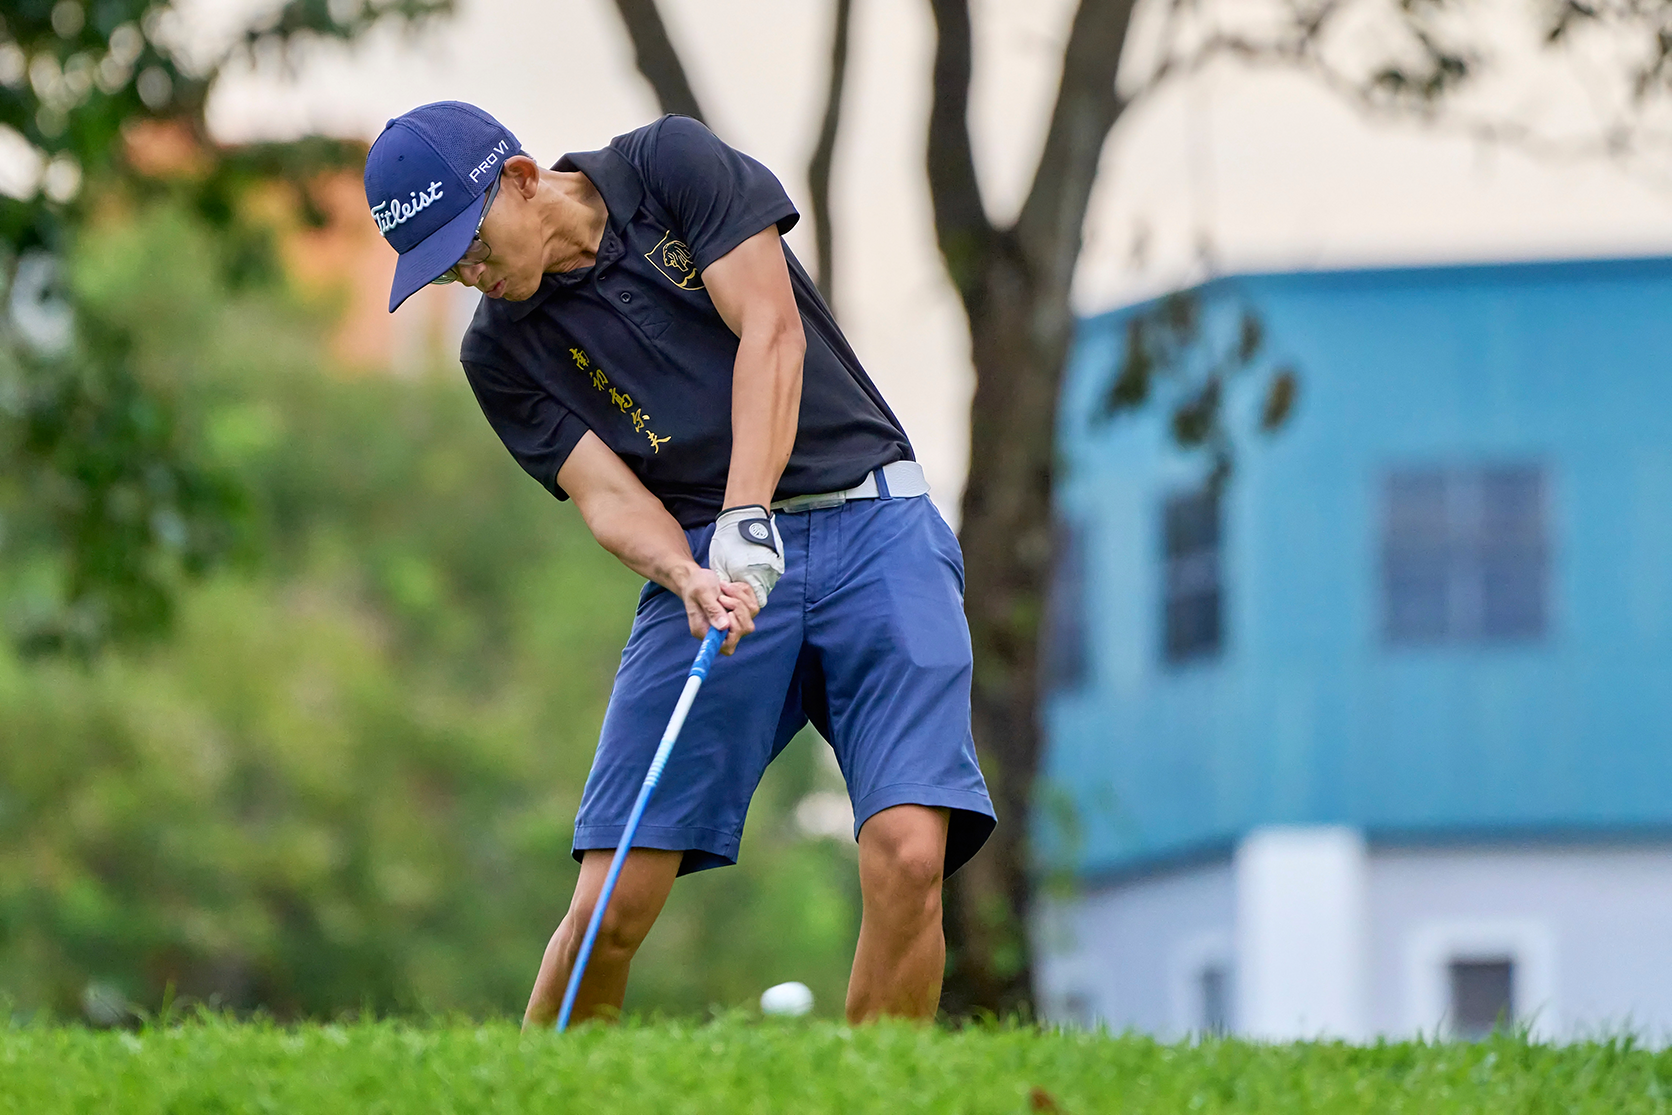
<point x="101" y="457"/>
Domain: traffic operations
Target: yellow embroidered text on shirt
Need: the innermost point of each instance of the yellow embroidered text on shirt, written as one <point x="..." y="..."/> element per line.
<point x="622" y="400"/>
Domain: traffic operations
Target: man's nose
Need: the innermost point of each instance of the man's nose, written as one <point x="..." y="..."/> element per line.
<point x="471" y="273"/>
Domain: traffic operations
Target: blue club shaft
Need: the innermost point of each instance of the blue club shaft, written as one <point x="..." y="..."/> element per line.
<point x="693" y="682"/>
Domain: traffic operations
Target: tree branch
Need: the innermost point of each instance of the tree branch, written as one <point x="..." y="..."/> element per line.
<point x="818" y="168"/>
<point x="656" y="58"/>
<point x="1087" y="106"/>
<point x="961" y="225"/>
<point x="1394" y="92"/>
<point x="298" y="21"/>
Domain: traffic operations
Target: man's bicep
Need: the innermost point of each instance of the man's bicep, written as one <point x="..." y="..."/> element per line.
<point x="753" y="279"/>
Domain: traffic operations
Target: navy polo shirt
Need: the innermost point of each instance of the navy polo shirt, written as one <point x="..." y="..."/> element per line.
<point x="633" y="349"/>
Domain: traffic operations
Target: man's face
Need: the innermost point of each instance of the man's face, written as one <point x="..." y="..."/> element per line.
<point x="512" y="232"/>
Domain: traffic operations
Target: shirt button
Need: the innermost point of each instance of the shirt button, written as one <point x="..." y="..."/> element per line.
<point x="626" y="296"/>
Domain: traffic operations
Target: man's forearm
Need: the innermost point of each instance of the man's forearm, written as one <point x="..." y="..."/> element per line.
<point x="644" y="537"/>
<point x="766" y="407"/>
<point x="633" y="525"/>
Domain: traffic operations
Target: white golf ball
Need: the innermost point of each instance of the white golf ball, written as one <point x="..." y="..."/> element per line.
<point x="790" y="999"/>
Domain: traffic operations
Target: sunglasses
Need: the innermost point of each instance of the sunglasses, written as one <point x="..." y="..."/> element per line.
<point x="478" y="252"/>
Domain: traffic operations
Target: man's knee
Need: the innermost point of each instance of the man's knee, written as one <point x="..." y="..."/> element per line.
<point x="639" y="896"/>
<point x="917" y="870"/>
<point x="904" y="848"/>
<point x="620" y="933"/>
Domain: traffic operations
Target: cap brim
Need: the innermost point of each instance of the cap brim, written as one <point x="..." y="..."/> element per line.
<point x="424" y="262"/>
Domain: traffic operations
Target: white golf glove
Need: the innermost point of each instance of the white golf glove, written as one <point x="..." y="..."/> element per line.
<point x="746" y="547"/>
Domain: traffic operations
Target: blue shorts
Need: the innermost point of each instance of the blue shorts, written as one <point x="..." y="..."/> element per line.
<point x="879" y="664"/>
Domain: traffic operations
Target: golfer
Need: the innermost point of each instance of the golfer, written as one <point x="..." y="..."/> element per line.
<point x="649" y="348"/>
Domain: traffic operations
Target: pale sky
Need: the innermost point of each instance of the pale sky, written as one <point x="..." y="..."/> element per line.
<point x="1269" y="170"/>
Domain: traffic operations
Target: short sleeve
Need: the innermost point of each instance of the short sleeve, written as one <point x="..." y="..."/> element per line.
<point x="718" y="196"/>
<point x="539" y="431"/>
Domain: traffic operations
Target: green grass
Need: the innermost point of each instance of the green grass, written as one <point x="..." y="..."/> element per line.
<point x="735" y="1065"/>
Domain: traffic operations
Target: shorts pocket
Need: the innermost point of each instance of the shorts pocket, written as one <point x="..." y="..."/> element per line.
<point x="928" y="600"/>
<point x="946" y="545"/>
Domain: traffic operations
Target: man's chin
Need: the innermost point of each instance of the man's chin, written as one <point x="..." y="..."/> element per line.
<point x="510" y="289"/>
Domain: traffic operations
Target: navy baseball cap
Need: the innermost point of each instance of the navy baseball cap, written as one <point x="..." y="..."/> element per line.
<point x="426" y="180"/>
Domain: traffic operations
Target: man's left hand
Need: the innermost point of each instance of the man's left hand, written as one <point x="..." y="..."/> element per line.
<point x="746" y="547"/>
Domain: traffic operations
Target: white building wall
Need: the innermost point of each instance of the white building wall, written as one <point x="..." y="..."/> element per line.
<point x="1300" y="934"/>
<point x="1130" y="955"/>
<point x="1588" y="929"/>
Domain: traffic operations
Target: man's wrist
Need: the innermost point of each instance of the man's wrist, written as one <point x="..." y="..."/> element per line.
<point x="745" y="495"/>
<point x="746" y="499"/>
<point x="679" y="577"/>
<point x="752" y="523"/>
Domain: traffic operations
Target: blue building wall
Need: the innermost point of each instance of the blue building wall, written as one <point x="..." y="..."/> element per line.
<point x="1307" y="715"/>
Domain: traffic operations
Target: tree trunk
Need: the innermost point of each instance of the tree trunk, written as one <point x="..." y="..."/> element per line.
<point x="1014" y="284"/>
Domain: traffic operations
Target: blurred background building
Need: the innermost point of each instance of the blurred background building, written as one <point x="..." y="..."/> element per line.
<point x="1374" y="738"/>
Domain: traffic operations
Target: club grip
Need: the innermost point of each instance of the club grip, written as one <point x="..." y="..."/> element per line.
<point x="710" y="647"/>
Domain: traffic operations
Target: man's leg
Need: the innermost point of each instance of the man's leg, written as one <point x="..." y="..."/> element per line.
<point x="646" y="879"/>
<point x="887" y="621"/>
<point x="901" y="956"/>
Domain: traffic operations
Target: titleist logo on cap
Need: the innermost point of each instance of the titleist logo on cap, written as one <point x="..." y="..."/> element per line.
<point x="394" y="212"/>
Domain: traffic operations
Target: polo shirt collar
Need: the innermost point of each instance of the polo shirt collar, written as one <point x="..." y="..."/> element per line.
<point x="616" y="179"/>
<point x="618" y="182"/>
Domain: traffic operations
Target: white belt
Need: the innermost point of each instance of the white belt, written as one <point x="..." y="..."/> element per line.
<point x="900" y="480"/>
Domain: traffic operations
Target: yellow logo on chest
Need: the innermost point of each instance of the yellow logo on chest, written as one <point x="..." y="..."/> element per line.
<point x="673" y="258"/>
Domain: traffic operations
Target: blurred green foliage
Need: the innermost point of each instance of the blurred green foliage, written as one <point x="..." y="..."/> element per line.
<point x="347" y="780"/>
<point x="89" y="438"/>
<point x="76" y="74"/>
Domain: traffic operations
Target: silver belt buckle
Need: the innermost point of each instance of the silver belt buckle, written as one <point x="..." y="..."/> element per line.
<point x="820" y="502"/>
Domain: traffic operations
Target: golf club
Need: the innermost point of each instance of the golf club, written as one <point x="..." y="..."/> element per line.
<point x="693" y="682"/>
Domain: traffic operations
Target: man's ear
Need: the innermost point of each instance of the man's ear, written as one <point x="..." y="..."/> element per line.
<point x="523" y="174"/>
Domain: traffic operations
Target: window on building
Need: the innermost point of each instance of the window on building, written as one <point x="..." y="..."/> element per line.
<point x="1216" y="1001"/>
<point x="1192" y="596"/>
<point x="1482" y="997"/>
<point x="1464" y="555"/>
<point x="1066" y="654"/>
<point x="1077" y="1010"/>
